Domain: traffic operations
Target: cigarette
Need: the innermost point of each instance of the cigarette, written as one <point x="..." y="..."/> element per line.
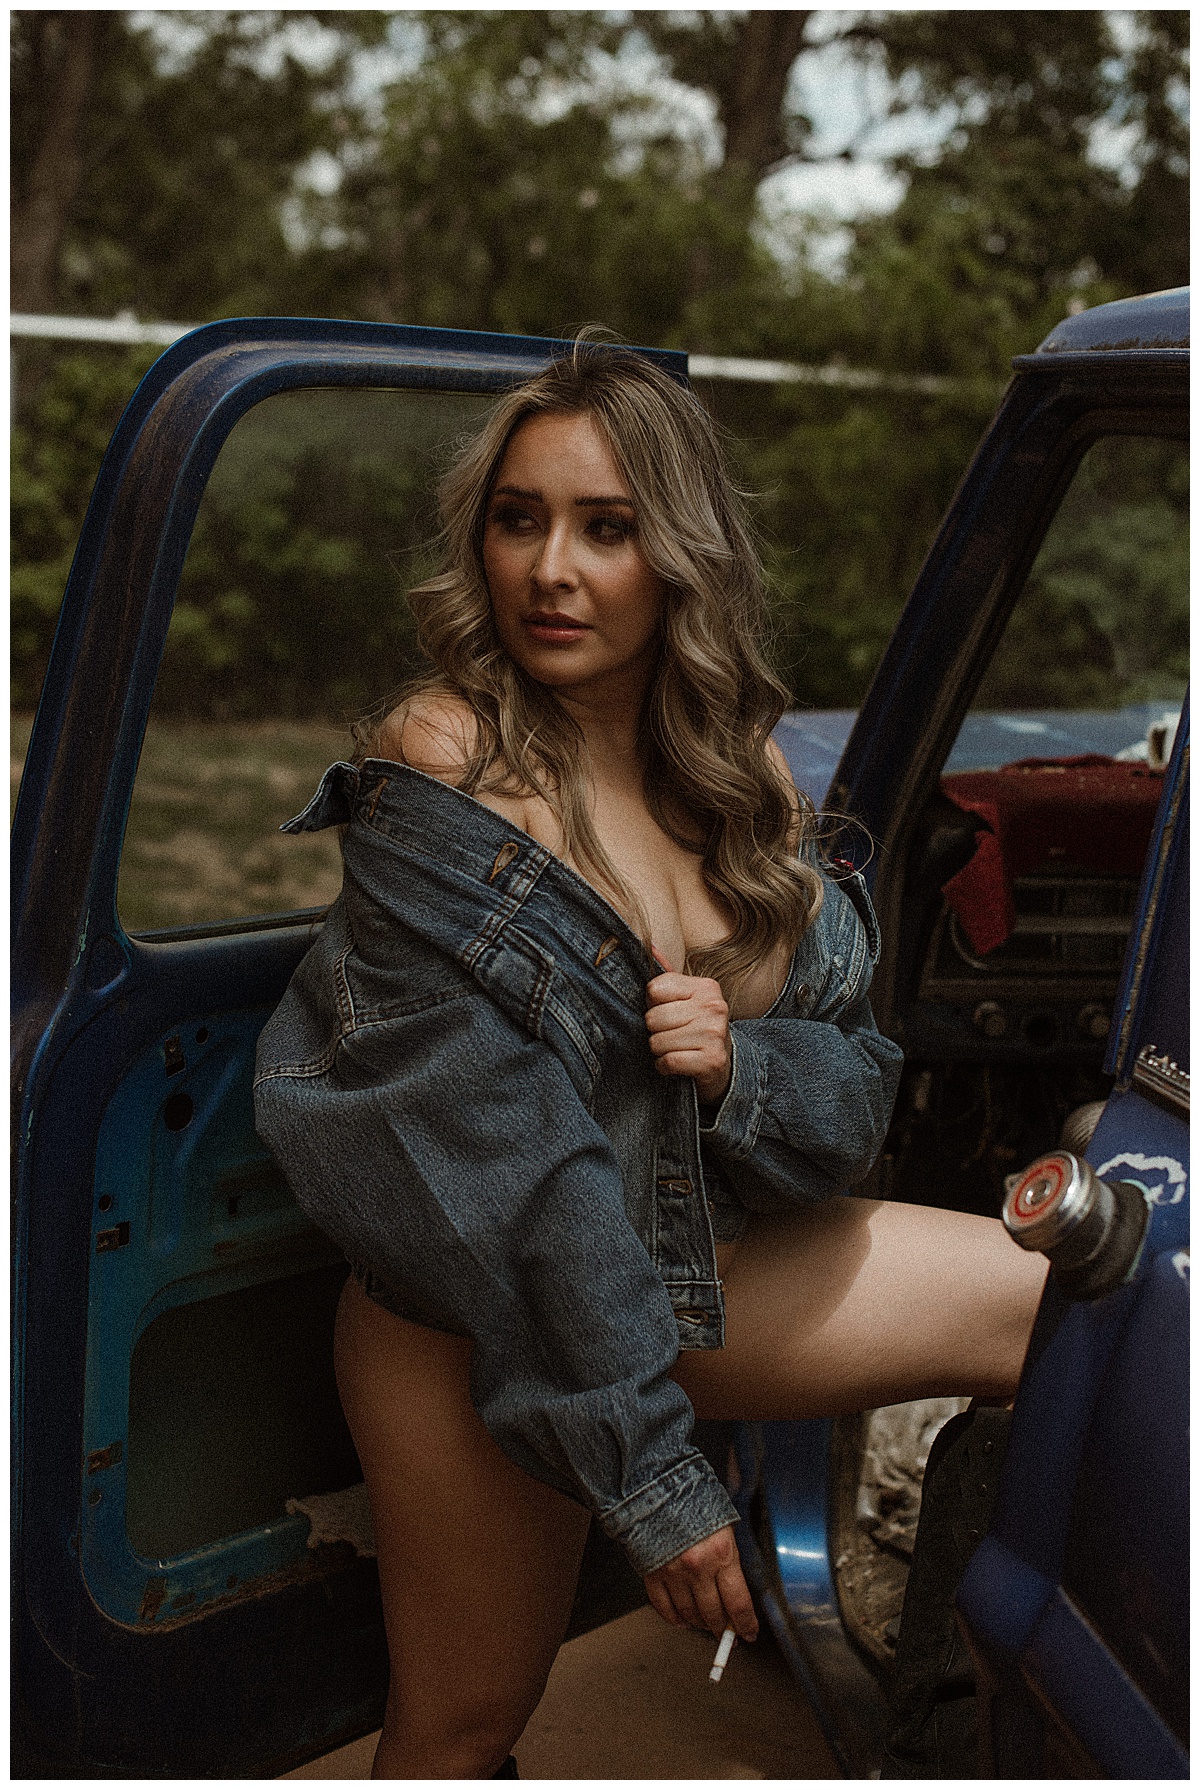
<point x="724" y="1649"/>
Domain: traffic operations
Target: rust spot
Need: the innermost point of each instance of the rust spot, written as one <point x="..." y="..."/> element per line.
<point x="607" y="949"/>
<point x="504" y="858"/>
<point x="173" y="1056"/>
<point x="104" y="1457"/>
<point x="316" y="1563"/>
<point x="114" y="1238"/>
<point x="153" y="1599"/>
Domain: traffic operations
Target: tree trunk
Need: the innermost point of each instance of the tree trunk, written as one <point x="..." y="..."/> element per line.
<point x="66" y="54"/>
<point x="767" y="45"/>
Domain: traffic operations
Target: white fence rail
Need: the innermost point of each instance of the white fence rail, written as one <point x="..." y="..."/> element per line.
<point x="126" y="329"/>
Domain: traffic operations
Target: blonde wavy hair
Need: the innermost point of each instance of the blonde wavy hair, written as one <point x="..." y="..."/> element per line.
<point x="713" y="699"/>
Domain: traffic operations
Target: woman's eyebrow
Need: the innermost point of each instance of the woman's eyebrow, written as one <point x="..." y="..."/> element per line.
<point x="538" y="497"/>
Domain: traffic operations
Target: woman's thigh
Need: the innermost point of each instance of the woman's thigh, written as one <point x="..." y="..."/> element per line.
<point x="857" y="1303"/>
<point x="477" y="1561"/>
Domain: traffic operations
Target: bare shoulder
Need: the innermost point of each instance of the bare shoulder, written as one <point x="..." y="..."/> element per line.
<point x="434" y="732"/>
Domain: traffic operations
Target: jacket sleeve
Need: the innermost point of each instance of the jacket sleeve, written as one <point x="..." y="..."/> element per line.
<point x="490" y="1202"/>
<point x="813" y="1084"/>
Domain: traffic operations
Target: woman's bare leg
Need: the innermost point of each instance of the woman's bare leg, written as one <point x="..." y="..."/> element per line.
<point x="857" y="1303"/>
<point x="477" y="1561"/>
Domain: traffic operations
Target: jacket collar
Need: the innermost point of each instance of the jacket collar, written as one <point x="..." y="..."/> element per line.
<point x="460" y="856"/>
<point x="467" y="871"/>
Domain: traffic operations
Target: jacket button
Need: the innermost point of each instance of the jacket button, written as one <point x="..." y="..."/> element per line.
<point x="504" y="857"/>
<point x="674" y="1184"/>
<point x="803" y="992"/>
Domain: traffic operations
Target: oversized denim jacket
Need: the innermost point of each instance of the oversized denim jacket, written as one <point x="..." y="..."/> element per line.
<point x="459" y="1087"/>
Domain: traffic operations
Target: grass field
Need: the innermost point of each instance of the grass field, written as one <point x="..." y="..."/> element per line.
<point x="203" y="842"/>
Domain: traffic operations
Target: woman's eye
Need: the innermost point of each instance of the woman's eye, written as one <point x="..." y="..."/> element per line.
<point x="513" y="520"/>
<point x="610" y="530"/>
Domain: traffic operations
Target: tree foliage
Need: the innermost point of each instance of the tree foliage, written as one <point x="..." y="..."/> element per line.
<point x="520" y="171"/>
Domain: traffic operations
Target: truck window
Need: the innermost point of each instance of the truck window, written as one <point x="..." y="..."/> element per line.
<point x="1101" y="625"/>
<point x="289" y="623"/>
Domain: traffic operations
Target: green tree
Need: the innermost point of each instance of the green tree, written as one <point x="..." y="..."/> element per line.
<point x="1015" y="217"/>
<point x="57" y="445"/>
<point x="514" y="183"/>
<point x="159" y="184"/>
<point x="517" y="174"/>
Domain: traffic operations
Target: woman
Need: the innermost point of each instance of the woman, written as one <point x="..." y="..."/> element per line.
<point x="581" y="1063"/>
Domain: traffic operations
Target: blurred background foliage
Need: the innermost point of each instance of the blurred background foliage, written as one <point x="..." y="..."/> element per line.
<point x="517" y="171"/>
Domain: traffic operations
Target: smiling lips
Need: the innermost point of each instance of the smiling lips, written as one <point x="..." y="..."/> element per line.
<point x="551" y="626"/>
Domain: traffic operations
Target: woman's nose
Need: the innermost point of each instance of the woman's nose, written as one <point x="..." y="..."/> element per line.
<point x="555" y="563"/>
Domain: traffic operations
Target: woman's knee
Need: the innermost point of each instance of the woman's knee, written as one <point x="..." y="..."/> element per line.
<point x="466" y="1742"/>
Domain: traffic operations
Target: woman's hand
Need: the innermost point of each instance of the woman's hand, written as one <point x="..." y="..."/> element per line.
<point x="688" y="1022"/>
<point x="704" y="1588"/>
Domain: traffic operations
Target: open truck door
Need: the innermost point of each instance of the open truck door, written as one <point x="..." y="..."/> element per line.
<point x="173" y="1307"/>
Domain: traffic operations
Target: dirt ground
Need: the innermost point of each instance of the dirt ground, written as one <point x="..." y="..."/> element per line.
<point x="633" y="1700"/>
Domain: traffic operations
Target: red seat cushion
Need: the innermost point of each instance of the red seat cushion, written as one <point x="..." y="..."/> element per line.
<point x="1090" y="813"/>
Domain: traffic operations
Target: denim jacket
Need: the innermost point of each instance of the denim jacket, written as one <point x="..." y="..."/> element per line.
<point x="459" y="1087"/>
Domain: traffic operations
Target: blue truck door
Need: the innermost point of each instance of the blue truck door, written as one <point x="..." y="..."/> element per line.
<point x="171" y="1305"/>
<point x="1122" y="377"/>
<point x="1077" y="1600"/>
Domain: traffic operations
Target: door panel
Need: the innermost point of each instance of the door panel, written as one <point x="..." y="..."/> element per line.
<point x="979" y="1098"/>
<point x="172" y="1307"/>
<point x="209" y="1396"/>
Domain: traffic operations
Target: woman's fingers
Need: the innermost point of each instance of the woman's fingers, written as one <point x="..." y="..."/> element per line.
<point x="739" y="1606"/>
<point x="671" y="987"/>
<point x="704" y="1588"/>
<point x="688" y="1023"/>
<point x="685" y="1604"/>
<point x="671" y="1601"/>
<point x="680" y="1021"/>
<point x="710" y="1607"/>
<point x="661" y="1599"/>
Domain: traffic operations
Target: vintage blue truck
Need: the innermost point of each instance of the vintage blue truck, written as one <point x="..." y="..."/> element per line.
<point x="172" y="1308"/>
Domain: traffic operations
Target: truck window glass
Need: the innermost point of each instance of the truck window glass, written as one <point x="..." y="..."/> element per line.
<point x="289" y="622"/>
<point x="1101" y="625"/>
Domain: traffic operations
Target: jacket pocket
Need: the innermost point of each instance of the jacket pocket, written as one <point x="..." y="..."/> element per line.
<point x="411" y="977"/>
<point x="527" y="985"/>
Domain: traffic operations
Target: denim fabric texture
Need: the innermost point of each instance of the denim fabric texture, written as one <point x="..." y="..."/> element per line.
<point x="459" y="1088"/>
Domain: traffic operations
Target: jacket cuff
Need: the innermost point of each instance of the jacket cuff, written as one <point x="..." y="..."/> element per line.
<point x="672" y="1513"/>
<point x="734" y="1128"/>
